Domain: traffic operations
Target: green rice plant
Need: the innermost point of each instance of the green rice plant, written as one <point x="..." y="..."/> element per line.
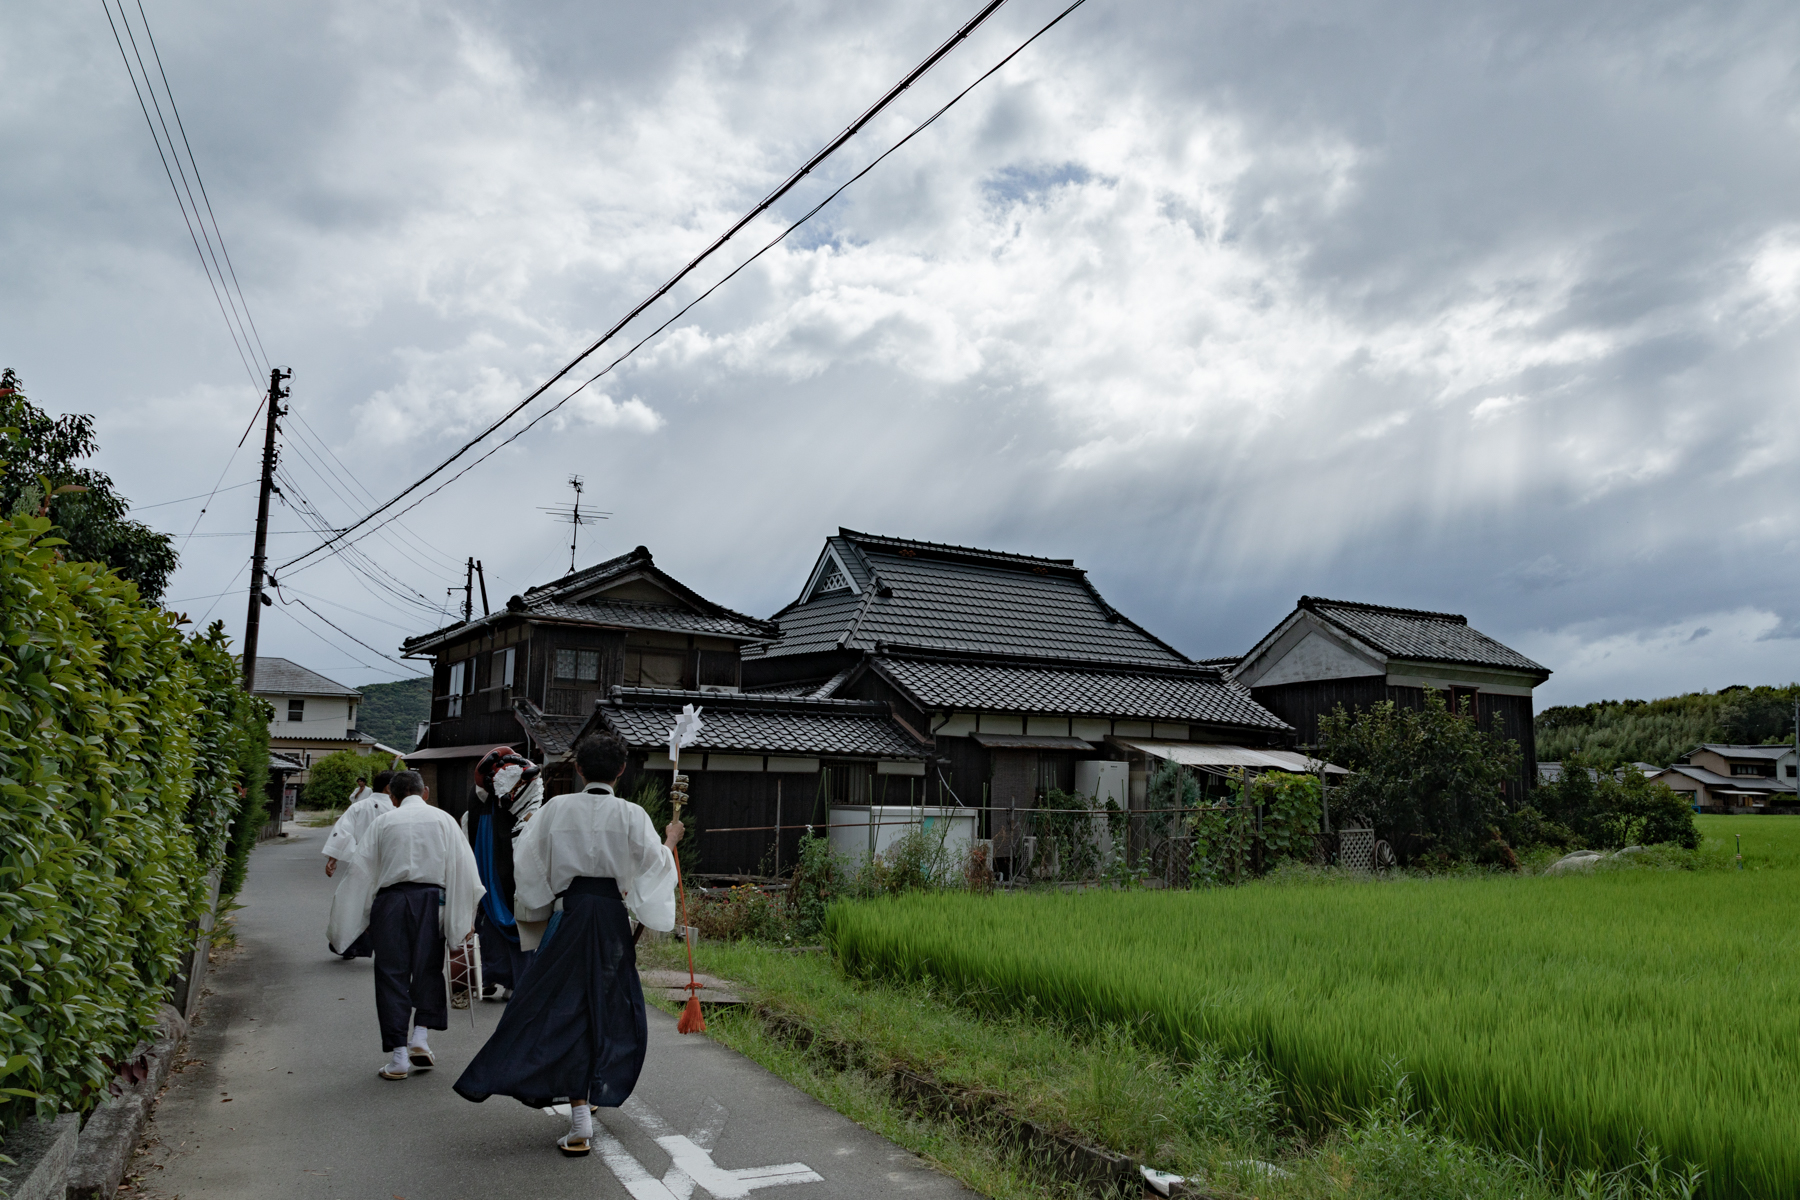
<point x="1577" y="1021"/>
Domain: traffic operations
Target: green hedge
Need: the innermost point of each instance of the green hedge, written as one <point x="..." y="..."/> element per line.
<point x="125" y="751"/>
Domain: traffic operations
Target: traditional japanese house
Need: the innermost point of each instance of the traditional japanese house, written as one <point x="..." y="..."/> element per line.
<point x="1328" y="653"/>
<point x="1013" y="668"/>
<point x="530" y="674"/>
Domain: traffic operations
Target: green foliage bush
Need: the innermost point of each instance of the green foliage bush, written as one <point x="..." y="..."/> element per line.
<point x="1616" y="808"/>
<point x="331" y="780"/>
<point x="1428" y="780"/>
<point x="1225" y="837"/>
<point x="35" y="449"/>
<point x="122" y="756"/>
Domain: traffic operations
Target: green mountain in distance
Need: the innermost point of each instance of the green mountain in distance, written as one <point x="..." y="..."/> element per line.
<point x="1659" y="731"/>
<point x="391" y="712"/>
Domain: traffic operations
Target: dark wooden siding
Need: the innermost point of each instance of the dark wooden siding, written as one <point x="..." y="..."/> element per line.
<point x="966" y="768"/>
<point x="1302" y="704"/>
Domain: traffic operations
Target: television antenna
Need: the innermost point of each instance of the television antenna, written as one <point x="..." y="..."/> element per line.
<point x="573" y="514"/>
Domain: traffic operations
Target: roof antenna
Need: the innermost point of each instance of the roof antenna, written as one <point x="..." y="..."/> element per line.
<point x="574" y="516"/>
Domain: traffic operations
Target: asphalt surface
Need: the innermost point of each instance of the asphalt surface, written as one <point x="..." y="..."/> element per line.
<point x="282" y="1100"/>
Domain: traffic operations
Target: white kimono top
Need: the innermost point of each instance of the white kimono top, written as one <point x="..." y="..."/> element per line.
<point x="596" y="834"/>
<point x="354" y="824"/>
<point x="414" y="843"/>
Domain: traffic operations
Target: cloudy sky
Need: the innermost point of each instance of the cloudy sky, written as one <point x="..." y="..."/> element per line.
<point x="1487" y="308"/>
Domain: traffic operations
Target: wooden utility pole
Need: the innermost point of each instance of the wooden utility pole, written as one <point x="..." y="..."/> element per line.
<point x="259" y="556"/>
<point x="469" y="592"/>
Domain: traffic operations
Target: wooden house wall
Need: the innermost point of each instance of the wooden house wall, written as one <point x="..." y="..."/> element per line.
<point x="1302" y="704"/>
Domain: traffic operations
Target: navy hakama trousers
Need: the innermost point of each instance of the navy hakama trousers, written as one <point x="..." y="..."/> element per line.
<point x="409" y="960"/>
<point x="575" y="1028"/>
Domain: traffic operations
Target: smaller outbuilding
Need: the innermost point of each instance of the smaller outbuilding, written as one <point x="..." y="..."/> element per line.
<point x="1328" y="653"/>
<point x="762" y="762"/>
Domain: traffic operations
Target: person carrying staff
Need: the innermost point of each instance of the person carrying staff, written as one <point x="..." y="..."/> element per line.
<point x="575" y="1030"/>
<point x="413" y="887"/>
<point x="507" y="793"/>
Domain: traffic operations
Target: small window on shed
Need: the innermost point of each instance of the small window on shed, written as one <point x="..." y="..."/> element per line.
<point x="580" y="666"/>
<point x="296" y="708"/>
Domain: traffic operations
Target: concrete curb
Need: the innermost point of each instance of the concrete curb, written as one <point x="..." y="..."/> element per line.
<point x="113" y="1130"/>
<point x="41" y="1152"/>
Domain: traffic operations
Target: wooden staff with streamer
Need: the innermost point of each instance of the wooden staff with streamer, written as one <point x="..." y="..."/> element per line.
<point x="687" y="728"/>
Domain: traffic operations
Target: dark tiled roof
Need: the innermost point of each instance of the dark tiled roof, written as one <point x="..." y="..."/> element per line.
<point x="556" y="734"/>
<point x="558" y="601"/>
<point x="636" y="615"/>
<point x="1411" y="633"/>
<point x="1198" y="695"/>
<point x="760" y="724"/>
<point x="926" y="596"/>
<point x="280" y="677"/>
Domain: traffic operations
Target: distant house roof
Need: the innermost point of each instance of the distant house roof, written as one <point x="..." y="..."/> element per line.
<point x="1411" y="633"/>
<point x="1744" y="783"/>
<point x="758" y="724"/>
<point x="868" y="592"/>
<point x="579" y="598"/>
<point x="281" y="764"/>
<point x="281" y="677"/>
<point x="1189" y="693"/>
<point x="1766" y="753"/>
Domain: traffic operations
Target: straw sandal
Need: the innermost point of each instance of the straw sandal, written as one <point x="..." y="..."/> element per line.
<point x="572" y="1146"/>
<point x="391" y="1076"/>
<point x="421" y="1059"/>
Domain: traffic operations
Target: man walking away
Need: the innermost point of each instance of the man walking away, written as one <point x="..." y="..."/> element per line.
<point x="575" y="1030"/>
<point x="413" y="887"/>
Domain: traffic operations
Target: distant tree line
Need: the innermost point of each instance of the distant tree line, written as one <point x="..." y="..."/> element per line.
<point x="1609" y="732"/>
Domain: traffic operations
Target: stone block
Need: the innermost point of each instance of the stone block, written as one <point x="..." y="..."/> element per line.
<point x="41" y="1152"/>
<point x="107" y="1143"/>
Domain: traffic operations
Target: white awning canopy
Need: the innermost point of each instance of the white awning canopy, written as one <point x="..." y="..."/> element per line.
<point x="1217" y="757"/>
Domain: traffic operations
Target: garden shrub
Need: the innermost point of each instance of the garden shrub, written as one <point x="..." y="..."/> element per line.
<point x="122" y="755"/>
<point x="331" y="779"/>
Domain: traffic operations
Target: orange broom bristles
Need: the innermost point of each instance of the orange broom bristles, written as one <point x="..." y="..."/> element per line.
<point x="690" y="1020"/>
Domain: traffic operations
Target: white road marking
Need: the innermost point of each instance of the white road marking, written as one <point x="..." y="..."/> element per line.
<point x="691" y="1163"/>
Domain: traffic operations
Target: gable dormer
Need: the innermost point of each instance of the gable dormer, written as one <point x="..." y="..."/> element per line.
<point x="831" y="578"/>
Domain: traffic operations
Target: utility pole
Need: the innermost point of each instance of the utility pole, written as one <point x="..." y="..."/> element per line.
<point x="469" y="591"/>
<point x="481" y="578"/>
<point x="259" y="556"/>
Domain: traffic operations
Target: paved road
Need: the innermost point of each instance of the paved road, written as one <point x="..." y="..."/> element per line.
<point x="285" y="1102"/>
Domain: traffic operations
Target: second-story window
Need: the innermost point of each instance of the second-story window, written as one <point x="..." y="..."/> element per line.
<point x="459" y="672"/>
<point x="1746" y="768"/>
<point x="578" y="666"/>
<point x="296" y="708"/>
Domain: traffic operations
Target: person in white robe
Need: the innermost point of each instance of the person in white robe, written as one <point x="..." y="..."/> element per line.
<point x="575" y="1029"/>
<point x="365" y="805"/>
<point x="413" y="887"/>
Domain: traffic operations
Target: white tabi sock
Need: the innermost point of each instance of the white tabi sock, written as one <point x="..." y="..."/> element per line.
<point x="397" y="1064"/>
<point x="418" y="1038"/>
<point x="581" y="1121"/>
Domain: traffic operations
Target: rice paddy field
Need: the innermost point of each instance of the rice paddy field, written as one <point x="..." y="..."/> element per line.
<point x="1583" y="1018"/>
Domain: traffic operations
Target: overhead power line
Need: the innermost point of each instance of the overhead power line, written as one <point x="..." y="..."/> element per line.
<point x="196" y="213"/>
<point x="683" y="311"/>
<point x="786" y="186"/>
